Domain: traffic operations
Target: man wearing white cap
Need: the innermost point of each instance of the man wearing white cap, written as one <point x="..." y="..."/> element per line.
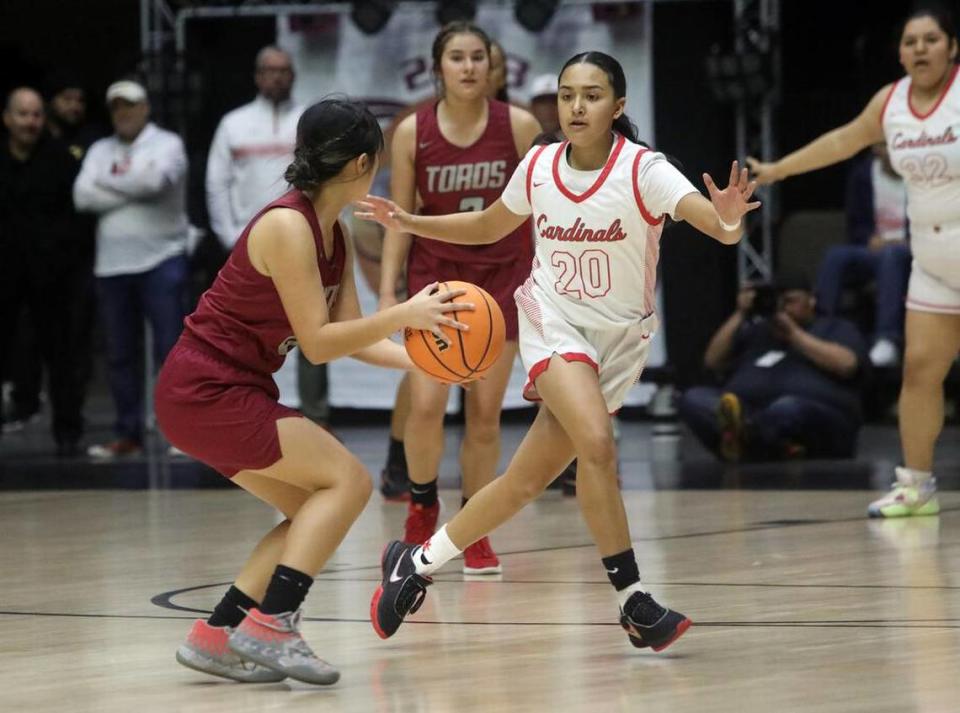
<point x="252" y="147"/>
<point x="543" y="102"/>
<point x="135" y="181"/>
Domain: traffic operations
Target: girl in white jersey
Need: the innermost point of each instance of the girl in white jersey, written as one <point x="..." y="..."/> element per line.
<point x="586" y="317"/>
<point x="918" y="117"/>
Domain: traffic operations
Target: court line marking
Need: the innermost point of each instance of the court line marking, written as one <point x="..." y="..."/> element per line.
<point x="842" y="623"/>
<point x="164" y="599"/>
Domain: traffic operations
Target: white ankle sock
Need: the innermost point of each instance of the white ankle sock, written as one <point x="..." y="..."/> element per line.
<point x="437" y="551"/>
<point x="918" y="477"/>
<point x="624" y="594"/>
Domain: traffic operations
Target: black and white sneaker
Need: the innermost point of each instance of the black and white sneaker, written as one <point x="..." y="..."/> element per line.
<point x="649" y="624"/>
<point x="401" y="592"/>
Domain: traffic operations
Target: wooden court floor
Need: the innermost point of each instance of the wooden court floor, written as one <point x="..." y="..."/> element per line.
<point x="799" y="603"/>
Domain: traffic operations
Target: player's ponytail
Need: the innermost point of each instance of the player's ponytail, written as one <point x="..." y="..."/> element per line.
<point x="330" y="134"/>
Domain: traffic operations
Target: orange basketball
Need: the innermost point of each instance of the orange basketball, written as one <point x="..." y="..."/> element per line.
<point x="469" y="354"/>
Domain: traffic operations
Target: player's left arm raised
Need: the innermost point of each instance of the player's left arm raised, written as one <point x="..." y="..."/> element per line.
<point x="725" y="207"/>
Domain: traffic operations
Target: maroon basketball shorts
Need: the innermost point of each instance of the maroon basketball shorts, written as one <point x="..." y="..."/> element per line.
<point x="218" y="413"/>
<point x="501" y="280"/>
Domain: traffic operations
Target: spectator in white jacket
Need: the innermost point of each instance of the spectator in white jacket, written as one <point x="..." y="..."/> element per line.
<point x="135" y="181"/>
<point x="252" y="147"/>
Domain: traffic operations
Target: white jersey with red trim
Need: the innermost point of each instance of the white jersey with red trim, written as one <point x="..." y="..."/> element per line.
<point x="925" y="150"/>
<point x="597" y="232"/>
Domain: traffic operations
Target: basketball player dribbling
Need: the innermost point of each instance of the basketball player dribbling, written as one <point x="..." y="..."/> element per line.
<point x="598" y="201"/>
<point x="289" y="281"/>
<point x="456" y="154"/>
<point x="918" y="117"/>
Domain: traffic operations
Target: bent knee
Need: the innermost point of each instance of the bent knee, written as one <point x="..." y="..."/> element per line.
<point x="524" y="490"/>
<point x="597" y="452"/>
<point x="485" y="433"/>
<point x="360" y="486"/>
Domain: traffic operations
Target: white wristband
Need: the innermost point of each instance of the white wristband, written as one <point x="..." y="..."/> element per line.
<point x="726" y="226"/>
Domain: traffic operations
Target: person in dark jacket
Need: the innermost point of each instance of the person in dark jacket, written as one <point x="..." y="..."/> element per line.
<point x="40" y="254"/>
<point x="793" y="380"/>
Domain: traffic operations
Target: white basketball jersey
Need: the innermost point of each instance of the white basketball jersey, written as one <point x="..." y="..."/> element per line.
<point x="925" y="150"/>
<point x="597" y="233"/>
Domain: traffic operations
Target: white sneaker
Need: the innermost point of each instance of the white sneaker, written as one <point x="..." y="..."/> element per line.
<point x="909" y="496"/>
<point x="884" y="354"/>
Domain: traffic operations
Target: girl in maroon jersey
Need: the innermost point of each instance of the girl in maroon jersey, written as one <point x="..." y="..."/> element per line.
<point x="289" y="281"/>
<point x="452" y="155"/>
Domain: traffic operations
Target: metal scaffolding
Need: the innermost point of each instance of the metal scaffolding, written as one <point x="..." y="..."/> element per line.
<point x="757" y="34"/>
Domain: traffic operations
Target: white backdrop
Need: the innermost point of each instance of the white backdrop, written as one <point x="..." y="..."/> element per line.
<point x="391" y="70"/>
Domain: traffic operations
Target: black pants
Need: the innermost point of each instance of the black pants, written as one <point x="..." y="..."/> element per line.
<point x="49" y="291"/>
<point x="822" y="430"/>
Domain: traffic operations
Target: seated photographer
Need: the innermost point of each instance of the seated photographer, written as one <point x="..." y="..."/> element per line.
<point x="792" y="386"/>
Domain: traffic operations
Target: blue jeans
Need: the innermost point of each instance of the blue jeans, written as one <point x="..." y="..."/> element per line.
<point x="125" y="301"/>
<point x="822" y="430"/>
<point x="856" y="265"/>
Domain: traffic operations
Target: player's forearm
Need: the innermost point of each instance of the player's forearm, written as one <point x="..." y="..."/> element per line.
<point x="385" y="353"/>
<point x="469" y="228"/>
<point x="339" y="339"/>
<point x="834" y="146"/>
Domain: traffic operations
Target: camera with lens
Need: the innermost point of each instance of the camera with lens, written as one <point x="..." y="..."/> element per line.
<point x="764" y="300"/>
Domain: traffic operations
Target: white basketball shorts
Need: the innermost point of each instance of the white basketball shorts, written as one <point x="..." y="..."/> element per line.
<point x="617" y="355"/>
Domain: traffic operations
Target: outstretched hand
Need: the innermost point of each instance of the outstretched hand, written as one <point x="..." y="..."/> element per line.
<point x="763" y="172"/>
<point x="381" y="210"/>
<point x="731" y="203"/>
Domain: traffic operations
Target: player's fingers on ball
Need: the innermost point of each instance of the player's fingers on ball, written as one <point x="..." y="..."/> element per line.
<point x="463" y="327"/>
<point x="458" y="307"/>
<point x="452" y="294"/>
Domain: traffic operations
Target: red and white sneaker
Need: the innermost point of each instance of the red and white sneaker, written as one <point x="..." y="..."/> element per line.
<point x="479" y="558"/>
<point x="421" y="523"/>
<point x="206" y="650"/>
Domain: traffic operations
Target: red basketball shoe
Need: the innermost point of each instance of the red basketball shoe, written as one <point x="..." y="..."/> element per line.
<point x="421" y="523"/>
<point x="479" y="558"/>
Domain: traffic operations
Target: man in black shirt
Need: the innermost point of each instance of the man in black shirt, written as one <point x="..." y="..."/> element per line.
<point x="41" y="257"/>
<point x="793" y="383"/>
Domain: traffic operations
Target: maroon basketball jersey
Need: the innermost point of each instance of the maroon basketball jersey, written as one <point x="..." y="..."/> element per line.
<point x="241" y="315"/>
<point x="451" y="179"/>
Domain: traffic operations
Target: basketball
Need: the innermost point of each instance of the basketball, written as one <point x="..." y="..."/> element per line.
<point x="469" y="354"/>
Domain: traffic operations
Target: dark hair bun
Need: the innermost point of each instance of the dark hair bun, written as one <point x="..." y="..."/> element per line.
<point x="330" y="134"/>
